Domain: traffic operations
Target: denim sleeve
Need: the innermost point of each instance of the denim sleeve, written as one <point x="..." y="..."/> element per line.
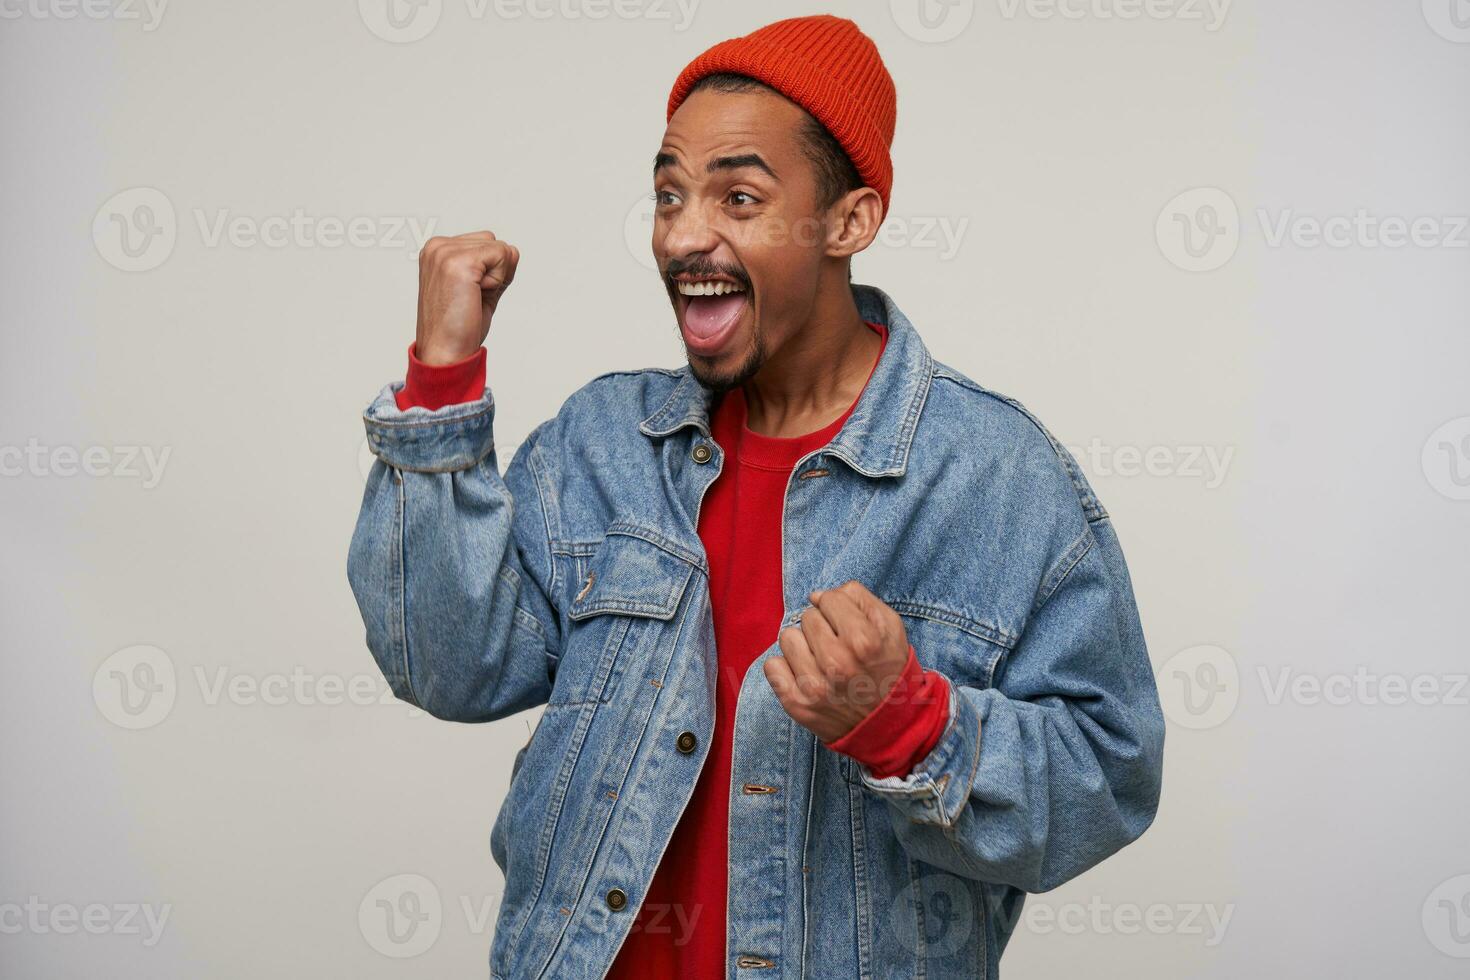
<point x="451" y="564"/>
<point x="1058" y="765"/>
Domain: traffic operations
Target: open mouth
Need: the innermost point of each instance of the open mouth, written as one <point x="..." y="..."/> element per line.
<point x="710" y="310"/>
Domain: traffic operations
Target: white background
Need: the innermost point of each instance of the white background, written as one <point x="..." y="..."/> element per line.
<point x="1305" y="831"/>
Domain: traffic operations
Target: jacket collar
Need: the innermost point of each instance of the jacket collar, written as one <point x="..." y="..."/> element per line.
<point x="876" y="438"/>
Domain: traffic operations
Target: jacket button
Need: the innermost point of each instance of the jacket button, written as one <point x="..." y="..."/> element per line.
<point x="616" y="899"/>
<point x="686" y="742"/>
<point x="702" y="452"/>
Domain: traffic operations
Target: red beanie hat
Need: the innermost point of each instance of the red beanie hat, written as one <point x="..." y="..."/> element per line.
<point x="828" y="67"/>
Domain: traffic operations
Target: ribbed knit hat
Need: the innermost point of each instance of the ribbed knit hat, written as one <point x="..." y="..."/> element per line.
<point x="830" y="68"/>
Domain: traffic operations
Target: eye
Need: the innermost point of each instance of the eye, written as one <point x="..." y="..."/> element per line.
<point x="749" y="199"/>
<point x="665" y="198"/>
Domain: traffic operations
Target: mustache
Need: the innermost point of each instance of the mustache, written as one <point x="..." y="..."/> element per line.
<point x="704" y="269"/>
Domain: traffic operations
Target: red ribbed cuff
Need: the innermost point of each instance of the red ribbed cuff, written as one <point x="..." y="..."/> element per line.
<point x="903" y="727"/>
<point x="433" y="386"/>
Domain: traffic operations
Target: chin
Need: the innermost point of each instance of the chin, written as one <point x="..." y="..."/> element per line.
<point x="719" y="375"/>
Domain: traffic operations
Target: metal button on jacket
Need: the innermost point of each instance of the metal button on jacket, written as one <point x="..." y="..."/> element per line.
<point x="702" y="452"/>
<point x="616" y="898"/>
<point x="686" y="742"/>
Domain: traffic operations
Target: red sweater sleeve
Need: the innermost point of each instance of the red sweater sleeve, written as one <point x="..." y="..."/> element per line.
<point x="903" y="727"/>
<point x="433" y="386"/>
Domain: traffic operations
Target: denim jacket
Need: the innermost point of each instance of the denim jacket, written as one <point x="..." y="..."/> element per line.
<point x="577" y="581"/>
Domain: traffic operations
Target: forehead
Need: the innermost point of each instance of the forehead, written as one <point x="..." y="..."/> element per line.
<point x="711" y="123"/>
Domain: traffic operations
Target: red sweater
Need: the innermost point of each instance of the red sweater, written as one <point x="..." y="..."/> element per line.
<point x="679" y="931"/>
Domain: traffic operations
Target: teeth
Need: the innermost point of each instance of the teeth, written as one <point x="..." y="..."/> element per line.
<point x="708" y="287"/>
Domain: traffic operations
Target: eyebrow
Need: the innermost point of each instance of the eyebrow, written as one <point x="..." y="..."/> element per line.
<point x="739" y="162"/>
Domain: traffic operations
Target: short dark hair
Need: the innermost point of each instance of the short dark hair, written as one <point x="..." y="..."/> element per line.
<point x="836" y="174"/>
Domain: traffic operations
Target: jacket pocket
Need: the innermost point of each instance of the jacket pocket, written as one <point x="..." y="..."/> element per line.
<point x="631" y="590"/>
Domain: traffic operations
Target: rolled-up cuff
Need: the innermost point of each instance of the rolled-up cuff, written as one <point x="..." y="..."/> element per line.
<point x="434" y="386"/>
<point x="904" y="726"/>
<point x="938" y="789"/>
<point x="424" y="440"/>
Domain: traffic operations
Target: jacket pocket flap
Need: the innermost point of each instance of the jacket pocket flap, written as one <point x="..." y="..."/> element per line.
<point x="631" y="576"/>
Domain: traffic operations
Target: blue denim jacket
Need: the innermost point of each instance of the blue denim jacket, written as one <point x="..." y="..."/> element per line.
<point x="577" y="580"/>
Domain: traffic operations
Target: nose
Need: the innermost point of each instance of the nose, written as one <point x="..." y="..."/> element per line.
<point x="684" y="234"/>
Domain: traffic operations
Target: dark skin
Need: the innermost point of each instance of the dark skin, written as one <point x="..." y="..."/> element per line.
<point x="801" y="353"/>
<point x="738" y="198"/>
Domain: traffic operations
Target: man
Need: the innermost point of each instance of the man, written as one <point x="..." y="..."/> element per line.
<point x="953" y="704"/>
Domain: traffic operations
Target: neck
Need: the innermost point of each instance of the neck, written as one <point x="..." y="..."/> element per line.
<point x="818" y="372"/>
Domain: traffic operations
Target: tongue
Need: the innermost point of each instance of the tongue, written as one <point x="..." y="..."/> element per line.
<point x="706" y="316"/>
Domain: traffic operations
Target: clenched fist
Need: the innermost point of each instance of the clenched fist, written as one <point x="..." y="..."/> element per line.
<point x="846" y="655"/>
<point x="461" y="279"/>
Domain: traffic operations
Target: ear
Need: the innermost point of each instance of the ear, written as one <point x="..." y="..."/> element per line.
<point x="853" y="222"/>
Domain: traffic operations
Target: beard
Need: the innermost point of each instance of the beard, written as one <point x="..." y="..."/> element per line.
<point x="719" y="382"/>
